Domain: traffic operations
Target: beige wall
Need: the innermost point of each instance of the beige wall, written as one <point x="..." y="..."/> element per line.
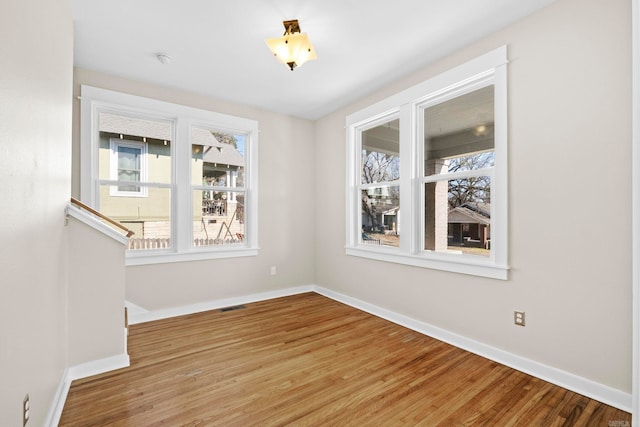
<point x="36" y="45"/>
<point x="286" y="203"/>
<point x="95" y="301"/>
<point x="569" y="202"/>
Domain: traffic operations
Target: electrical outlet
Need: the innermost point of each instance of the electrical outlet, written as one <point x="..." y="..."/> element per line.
<point x="518" y="318"/>
<point x="273" y="270"/>
<point x="25" y="410"/>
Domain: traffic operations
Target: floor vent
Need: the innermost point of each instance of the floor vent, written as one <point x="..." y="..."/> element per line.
<point x="233" y="307"/>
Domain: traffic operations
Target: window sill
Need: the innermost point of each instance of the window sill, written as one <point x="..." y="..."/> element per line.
<point x="163" y="257"/>
<point x="444" y="262"/>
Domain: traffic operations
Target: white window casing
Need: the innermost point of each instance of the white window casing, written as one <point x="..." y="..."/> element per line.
<point x="487" y="70"/>
<point x="183" y="118"/>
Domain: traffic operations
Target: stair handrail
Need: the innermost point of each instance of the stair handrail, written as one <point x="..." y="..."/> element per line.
<point x="102" y="216"/>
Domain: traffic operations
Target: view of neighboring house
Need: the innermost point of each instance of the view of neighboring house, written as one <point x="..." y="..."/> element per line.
<point x="135" y="178"/>
<point x="381" y="211"/>
<point x="470" y="225"/>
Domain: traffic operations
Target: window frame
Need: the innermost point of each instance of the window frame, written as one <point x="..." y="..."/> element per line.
<point x="386" y="118"/>
<point x="94" y="100"/>
<point x="487" y="69"/>
<point x="114" y="191"/>
<point x="232" y="190"/>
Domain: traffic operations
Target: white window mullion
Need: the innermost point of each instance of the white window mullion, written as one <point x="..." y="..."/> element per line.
<point x="418" y="208"/>
<point x="353" y="165"/>
<point x="474" y="173"/>
<point x="251" y="186"/>
<point x="182" y="205"/>
<point x="89" y="134"/>
<point x="406" y="217"/>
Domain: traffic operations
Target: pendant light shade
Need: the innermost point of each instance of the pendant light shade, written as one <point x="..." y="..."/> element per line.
<point x="293" y="48"/>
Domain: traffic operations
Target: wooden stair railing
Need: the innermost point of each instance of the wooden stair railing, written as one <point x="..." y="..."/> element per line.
<point x="81" y="205"/>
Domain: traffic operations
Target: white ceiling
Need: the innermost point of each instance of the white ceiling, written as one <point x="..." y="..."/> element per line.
<point x="218" y="47"/>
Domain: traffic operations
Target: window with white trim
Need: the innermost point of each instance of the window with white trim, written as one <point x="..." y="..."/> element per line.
<point x="128" y="165"/>
<point x="444" y="206"/>
<point x="183" y="179"/>
<point x="379" y="183"/>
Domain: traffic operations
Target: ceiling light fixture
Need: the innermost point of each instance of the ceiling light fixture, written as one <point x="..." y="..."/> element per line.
<point x="293" y="48"/>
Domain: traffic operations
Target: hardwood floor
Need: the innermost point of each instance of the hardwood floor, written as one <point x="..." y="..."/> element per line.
<point x="310" y="361"/>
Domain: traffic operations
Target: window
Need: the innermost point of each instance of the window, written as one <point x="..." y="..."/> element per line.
<point x="380" y="175"/>
<point x="217" y="173"/>
<point x="128" y="165"/>
<point x="458" y="163"/>
<point x="444" y="204"/>
<point x="183" y="179"/>
<point x="134" y="178"/>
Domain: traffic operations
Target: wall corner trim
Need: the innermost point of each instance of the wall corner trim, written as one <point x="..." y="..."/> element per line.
<point x="81" y="371"/>
<point x="96" y="224"/>
<point x="635" y="218"/>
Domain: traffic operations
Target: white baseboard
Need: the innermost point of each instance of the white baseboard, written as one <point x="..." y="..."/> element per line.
<point x="134" y="309"/>
<point x="586" y="387"/>
<point x="57" y="405"/>
<point x="100" y="366"/>
<point x="166" y="313"/>
<point x="77" y="372"/>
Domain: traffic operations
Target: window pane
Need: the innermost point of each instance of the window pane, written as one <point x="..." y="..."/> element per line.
<point x="129" y="158"/>
<point x="129" y="167"/>
<point x="132" y="144"/>
<point x="458" y="216"/>
<point x="459" y="133"/>
<point x="219" y="217"/>
<point x="217" y="161"/>
<point x="149" y="217"/>
<point x="380" y="214"/>
<point x="381" y="153"/>
<point x="217" y="158"/>
<point x="128" y="175"/>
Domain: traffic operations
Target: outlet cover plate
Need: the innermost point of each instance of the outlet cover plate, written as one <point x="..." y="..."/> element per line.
<point x="518" y="318"/>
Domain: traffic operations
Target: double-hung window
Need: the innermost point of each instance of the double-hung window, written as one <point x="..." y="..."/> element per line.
<point x="128" y="165"/>
<point x="183" y="179"/>
<point x="379" y="184"/>
<point x="427" y="171"/>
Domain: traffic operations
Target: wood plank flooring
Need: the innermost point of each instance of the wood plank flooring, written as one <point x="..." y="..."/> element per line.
<point x="307" y="360"/>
